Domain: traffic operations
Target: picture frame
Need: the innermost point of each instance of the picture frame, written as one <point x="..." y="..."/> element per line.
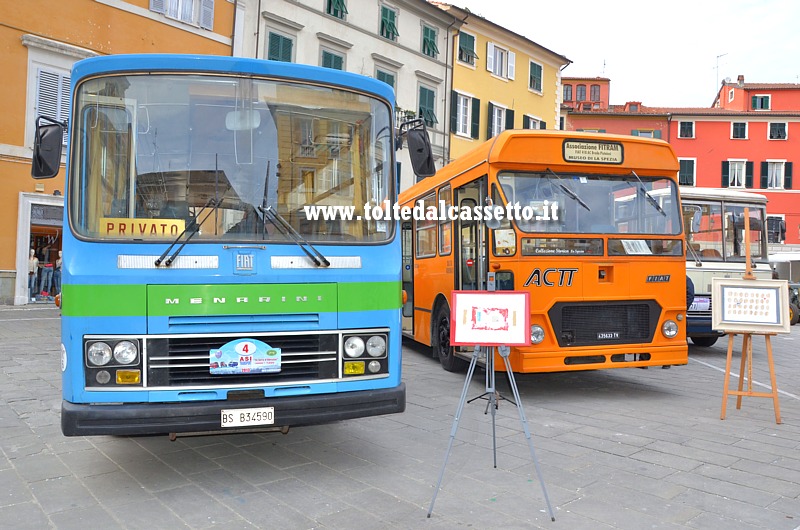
<point x="750" y="306"/>
<point x="490" y="318"/>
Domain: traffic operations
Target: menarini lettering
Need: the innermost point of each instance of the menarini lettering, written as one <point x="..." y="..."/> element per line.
<point x="240" y="300"/>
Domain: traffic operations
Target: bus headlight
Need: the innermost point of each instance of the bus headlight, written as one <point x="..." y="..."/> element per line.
<point x="99" y="353"/>
<point x="669" y="328"/>
<point x="537" y="334"/>
<point x="376" y="346"/>
<point x="354" y="346"/>
<point x="125" y="352"/>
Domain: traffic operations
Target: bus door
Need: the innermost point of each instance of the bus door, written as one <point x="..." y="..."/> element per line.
<point x="408" y="276"/>
<point x="471" y="238"/>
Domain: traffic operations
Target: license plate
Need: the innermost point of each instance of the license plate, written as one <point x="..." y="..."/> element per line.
<point x="247" y="417"/>
<point x="700" y="303"/>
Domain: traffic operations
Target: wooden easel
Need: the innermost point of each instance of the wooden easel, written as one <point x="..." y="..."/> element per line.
<point x="747" y="350"/>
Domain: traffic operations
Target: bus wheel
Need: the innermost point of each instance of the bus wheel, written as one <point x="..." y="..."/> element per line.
<point x="793" y="316"/>
<point x="704" y="341"/>
<point x="440" y="341"/>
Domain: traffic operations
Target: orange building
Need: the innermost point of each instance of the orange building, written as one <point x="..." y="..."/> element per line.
<point x="748" y="139"/>
<point x="41" y="41"/>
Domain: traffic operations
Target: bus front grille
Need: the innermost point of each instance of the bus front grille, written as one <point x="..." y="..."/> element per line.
<point x="185" y="361"/>
<point x="600" y="323"/>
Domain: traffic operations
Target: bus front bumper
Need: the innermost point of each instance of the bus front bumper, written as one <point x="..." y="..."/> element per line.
<point x="79" y="419"/>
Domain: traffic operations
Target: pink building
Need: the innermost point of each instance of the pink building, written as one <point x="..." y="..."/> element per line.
<point x="748" y="139"/>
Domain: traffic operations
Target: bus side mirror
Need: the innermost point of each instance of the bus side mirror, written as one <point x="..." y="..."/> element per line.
<point x="47" y="148"/>
<point x="419" y="147"/>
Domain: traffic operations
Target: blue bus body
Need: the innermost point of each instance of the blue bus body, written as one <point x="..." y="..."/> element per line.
<point x="218" y="327"/>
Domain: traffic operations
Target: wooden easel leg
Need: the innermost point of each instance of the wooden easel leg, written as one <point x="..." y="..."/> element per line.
<point x="772" y="380"/>
<point x="747" y="346"/>
<point x="727" y="376"/>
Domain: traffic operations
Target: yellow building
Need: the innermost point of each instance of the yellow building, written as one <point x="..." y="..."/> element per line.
<point x="501" y="80"/>
<point x="41" y="40"/>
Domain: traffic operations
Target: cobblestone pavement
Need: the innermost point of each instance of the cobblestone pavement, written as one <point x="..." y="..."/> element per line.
<point x="622" y="448"/>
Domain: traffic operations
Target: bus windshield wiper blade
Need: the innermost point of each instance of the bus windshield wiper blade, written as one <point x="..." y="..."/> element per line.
<point x="650" y="199"/>
<point x="568" y="191"/>
<point x="193" y="227"/>
<point x="288" y="230"/>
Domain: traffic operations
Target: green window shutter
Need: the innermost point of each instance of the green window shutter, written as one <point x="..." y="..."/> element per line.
<point x="656" y="134"/>
<point x="764" y="175"/>
<point x="509" y="119"/>
<point x="429" y="47"/>
<point x="543" y="125"/>
<point x="489" y="121"/>
<point x="386" y="77"/>
<point x="331" y="60"/>
<point x="426" y="106"/>
<point x="453" y="112"/>
<point x="526" y="122"/>
<point x="787" y="176"/>
<point x="755" y="102"/>
<point x="635" y="132"/>
<point x="476" y="118"/>
<point x="748" y="175"/>
<point x="336" y="8"/>
<point x="279" y="48"/>
<point x="725" y="174"/>
<point x="388" y="25"/>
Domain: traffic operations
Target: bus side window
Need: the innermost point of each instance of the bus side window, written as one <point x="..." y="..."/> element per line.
<point x="504" y="281"/>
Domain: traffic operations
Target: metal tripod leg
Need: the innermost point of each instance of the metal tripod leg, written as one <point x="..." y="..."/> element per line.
<point x="504" y="351"/>
<point x="459" y="410"/>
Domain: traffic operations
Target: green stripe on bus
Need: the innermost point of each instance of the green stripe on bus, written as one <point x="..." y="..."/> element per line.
<point x="228" y="299"/>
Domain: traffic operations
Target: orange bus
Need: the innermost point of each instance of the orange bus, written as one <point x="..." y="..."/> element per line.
<point x="572" y="218"/>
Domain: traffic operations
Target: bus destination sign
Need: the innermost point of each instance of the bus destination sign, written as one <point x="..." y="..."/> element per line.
<point x="593" y="152"/>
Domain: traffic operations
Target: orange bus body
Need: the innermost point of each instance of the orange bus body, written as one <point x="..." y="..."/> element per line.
<point x="610" y="297"/>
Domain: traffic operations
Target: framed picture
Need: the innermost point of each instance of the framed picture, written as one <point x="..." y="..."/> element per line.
<point x="750" y="306"/>
<point x="490" y="318"/>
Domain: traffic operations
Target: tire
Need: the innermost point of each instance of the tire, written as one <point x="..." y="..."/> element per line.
<point x="794" y="316"/>
<point x="440" y="341"/>
<point x="704" y="341"/>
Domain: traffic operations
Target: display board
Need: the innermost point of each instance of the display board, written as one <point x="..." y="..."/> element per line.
<point x="486" y="318"/>
<point x="750" y="306"/>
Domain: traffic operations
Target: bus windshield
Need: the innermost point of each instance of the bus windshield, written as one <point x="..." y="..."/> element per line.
<point x="156" y="155"/>
<point x="592" y="203"/>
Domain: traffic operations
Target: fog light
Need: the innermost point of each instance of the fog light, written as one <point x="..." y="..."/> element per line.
<point x="102" y="377"/>
<point x="128" y="377"/>
<point x="374" y="367"/>
<point x="354" y="346"/>
<point x="537" y="334"/>
<point x="99" y="353"/>
<point x="669" y="328"/>
<point x="353" y="367"/>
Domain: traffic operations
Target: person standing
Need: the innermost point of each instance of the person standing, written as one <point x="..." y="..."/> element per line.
<point x="57" y="276"/>
<point x="33" y="268"/>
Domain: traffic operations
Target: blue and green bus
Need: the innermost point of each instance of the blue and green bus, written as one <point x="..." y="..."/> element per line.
<point x="196" y="295"/>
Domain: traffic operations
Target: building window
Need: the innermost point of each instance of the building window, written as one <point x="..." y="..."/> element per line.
<point x="734" y="173"/>
<point x="739" y="130"/>
<point x="772" y="174"/>
<point x="500" y="119"/>
<point x="332" y="60"/>
<point x="465" y="115"/>
<point x="336" y="8"/>
<point x="776" y="229"/>
<point x="427" y="106"/>
<point x="429" y="47"/>
<point x="686" y="129"/>
<point x="466" y="48"/>
<point x="500" y="61"/>
<point x="567" y="92"/>
<point x="535" y="81"/>
<point x="386" y="77"/>
<point x="279" y="48"/>
<point x="389" y="23"/>
<point x="581" y="93"/>
<point x="594" y="93"/>
<point x="52" y="96"/>
<point x="731" y="94"/>
<point x="532" y="122"/>
<point x="198" y="12"/>
<point x="646" y="133"/>
<point x="761" y="102"/>
<point x="777" y="131"/>
<point x="686" y="172"/>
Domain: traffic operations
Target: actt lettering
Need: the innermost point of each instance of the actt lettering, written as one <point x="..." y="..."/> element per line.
<point x="551" y="277"/>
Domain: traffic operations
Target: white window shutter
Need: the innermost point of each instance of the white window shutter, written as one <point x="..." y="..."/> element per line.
<point x="47" y="94"/>
<point x="207" y="14"/>
<point x="158" y="6"/>
<point x="512" y="57"/>
<point x="490" y="56"/>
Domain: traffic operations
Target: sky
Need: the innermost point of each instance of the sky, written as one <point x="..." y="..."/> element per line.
<point x="664" y="54"/>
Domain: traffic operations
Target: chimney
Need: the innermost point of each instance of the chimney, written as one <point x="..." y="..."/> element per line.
<point x="740" y="80"/>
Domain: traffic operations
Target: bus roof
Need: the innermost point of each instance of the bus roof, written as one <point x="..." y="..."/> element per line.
<point x="689" y="192"/>
<point x="155" y="62"/>
<point x="512" y="150"/>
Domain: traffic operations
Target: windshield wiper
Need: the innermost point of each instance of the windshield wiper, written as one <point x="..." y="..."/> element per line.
<point x="650" y="199"/>
<point x="288" y="230"/>
<point x="194" y="227"/>
<point x="568" y="191"/>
